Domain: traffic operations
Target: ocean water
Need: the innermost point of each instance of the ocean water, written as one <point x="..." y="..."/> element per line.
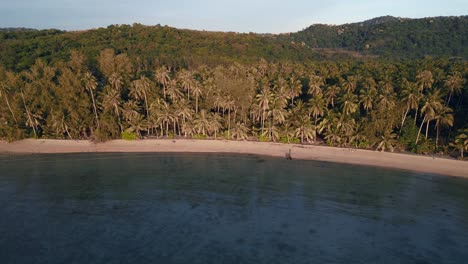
<point x="211" y="208"/>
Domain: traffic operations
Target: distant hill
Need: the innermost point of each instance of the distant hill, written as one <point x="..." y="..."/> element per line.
<point x="393" y="37"/>
<point x="383" y="37"/>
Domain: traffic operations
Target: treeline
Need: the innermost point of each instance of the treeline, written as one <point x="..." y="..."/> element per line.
<point x="150" y="46"/>
<point x="390" y="37"/>
<point x="419" y="106"/>
<point x="146" y="45"/>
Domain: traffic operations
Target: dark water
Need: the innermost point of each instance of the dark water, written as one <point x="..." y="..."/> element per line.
<point x="199" y="208"/>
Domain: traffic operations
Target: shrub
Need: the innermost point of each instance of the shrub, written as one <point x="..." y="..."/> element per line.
<point x="127" y="135"/>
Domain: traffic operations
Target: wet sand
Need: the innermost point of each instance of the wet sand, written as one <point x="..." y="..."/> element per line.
<point x="419" y="163"/>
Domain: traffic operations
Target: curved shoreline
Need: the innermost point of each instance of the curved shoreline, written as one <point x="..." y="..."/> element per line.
<point x="419" y="163"/>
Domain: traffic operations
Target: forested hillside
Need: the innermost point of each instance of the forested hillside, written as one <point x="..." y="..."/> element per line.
<point x="391" y="37"/>
<point x="385" y="38"/>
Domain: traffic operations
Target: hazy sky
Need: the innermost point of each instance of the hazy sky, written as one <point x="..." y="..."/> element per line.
<point x="240" y="15"/>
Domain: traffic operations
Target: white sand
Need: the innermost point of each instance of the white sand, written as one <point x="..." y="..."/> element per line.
<point x="352" y="156"/>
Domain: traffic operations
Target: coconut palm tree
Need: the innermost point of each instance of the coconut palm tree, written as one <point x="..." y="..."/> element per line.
<point x="443" y="117"/>
<point x="433" y="102"/>
<point x="454" y="84"/>
<point x="295" y="88"/>
<point x="240" y="131"/>
<point x="57" y="122"/>
<point x="185" y="78"/>
<point x="315" y="85"/>
<point x="197" y="92"/>
<point x="461" y="142"/>
<point x="386" y="141"/>
<point x="331" y="94"/>
<point x="425" y="79"/>
<point x="32" y="119"/>
<point x="139" y="90"/>
<point x="163" y="77"/>
<point x="4" y="92"/>
<point x="304" y="129"/>
<point x="111" y="103"/>
<point x="165" y="116"/>
<point x="173" y="91"/>
<point x="202" y="123"/>
<point x="263" y="100"/>
<point x="317" y="107"/>
<point x="90" y="85"/>
<point x="349" y="103"/>
<point x="367" y="97"/>
<point x="116" y="82"/>
<point x="349" y="84"/>
<point x="410" y="96"/>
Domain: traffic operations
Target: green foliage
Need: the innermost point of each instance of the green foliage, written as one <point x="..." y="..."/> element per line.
<point x="408" y="135"/>
<point x="263" y="138"/>
<point x="199" y="136"/>
<point x="392" y="37"/>
<point x="156" y="45"/>
<point x="291" y="140"/>
<point x="128" y="135"/>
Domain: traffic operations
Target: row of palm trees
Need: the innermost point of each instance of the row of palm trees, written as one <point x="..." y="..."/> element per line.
<point x="345" y="104"/>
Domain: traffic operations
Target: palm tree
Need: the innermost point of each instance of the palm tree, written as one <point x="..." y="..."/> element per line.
<point x="411" y="97"/>
<point x="116" y="82"/>
<point x="111" y="103"/>
<point x="433" y="102"/>
<point x="202" y="123"/>
<point x="163" y="77"/>
<point x="165" y="116"/>
<point x="4" y="92"/>
<point x="349" y="85"/>
<point x="59" y="125"/>
<point x="461" y="142"/>
<point x="295" y="88"/>
<point x="349" y="103"/>
<point x="425" y="79"/>
<point x="230" y="104"/>
<point x="331" y="94"/>
<point x="186" y="80"/>
<point x="197" y="92"/>
<point x="454" y="84"/>
<point x="263" y="101"/>
<point x="317" y="106"/>
<point x="90" y="85"/>
<point x="443" y="117"/>
<point x="173" y="91"/>
<point x="281" y="88"/>
<point x="386" y="141"/>
<point x="240" y="131"/>
<point x="367" y="97"/>
<point x="32" y="120"/>
<point x="139" y="91"/>
<point x="315" y="85"/>
<point x="304" y="129"/>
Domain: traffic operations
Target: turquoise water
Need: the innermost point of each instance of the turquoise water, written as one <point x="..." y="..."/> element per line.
<point x="209" y="208"/>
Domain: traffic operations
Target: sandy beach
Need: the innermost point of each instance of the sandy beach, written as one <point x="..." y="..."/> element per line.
<point x="306" y="152"/>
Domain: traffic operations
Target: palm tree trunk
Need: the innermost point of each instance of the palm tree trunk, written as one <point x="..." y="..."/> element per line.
<point x="196" y="104"/>
<point x="95" y="109"/>
<point x="229" y="123"/>
<point x="11" y="111"/>
<point x="427" y="127"/>
<point x="420" y="128"/>
<point x="437" y="136"/>
<point x="415" y="116"/>
<point x="404" y="118"/>
<point x="29" y="115"/>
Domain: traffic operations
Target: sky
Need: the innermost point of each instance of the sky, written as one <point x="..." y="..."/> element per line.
<point x="261" y="16"/>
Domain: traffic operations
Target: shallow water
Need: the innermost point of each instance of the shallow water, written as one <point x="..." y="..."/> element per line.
<point x="210" y="208"/>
